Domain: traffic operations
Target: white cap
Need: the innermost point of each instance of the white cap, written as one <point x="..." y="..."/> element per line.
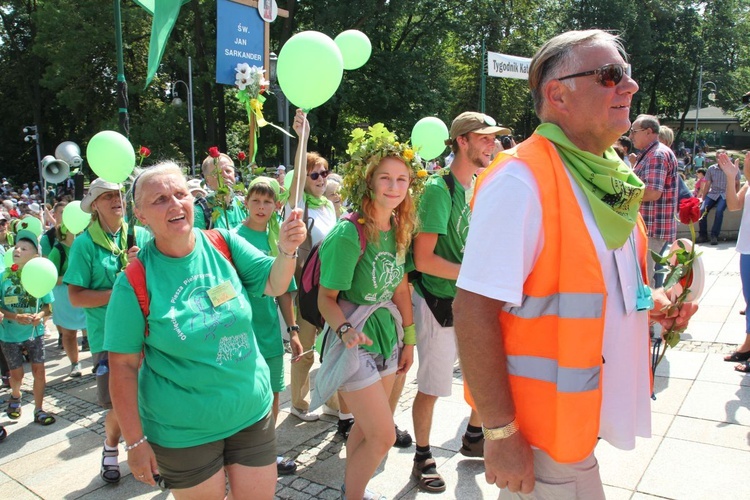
<point x="281" y="168"/>
<point x="195" y="187"/>
<point x="34" y="207"/>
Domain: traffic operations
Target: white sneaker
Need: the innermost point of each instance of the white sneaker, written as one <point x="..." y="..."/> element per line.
<point x="327" y="410"/>
<point x="75" y="370"/>
<point x="305" y="415"/>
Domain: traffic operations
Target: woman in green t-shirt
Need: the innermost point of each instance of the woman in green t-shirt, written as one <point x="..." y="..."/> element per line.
<point x="365" y="296"/>
<point x="199" y="405"/>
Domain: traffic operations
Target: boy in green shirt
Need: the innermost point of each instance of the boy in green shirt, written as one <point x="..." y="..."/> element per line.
<point x="261" y="229"/>
<point x="23" y="328"/>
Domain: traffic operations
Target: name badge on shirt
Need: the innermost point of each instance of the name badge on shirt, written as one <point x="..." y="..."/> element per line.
<point x="221" y="293"/>
<point x="11" y="301"/>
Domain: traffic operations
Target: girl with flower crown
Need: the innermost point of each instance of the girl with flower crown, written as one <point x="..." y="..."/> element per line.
<point x="365" y="297"/>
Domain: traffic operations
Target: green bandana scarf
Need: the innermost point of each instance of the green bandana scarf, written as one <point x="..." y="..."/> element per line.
<point x="613" y="191"/>
<point x="313" y="202"/>
<point x="100" y="238"/>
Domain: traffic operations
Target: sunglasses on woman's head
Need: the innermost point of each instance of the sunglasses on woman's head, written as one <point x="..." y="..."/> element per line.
<point x="314" y="176"/>
<point x="608" y="75"/>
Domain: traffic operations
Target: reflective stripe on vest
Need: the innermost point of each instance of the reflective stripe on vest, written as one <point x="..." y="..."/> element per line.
<point x="547" y="370"/>
<point x="564" y="305"/>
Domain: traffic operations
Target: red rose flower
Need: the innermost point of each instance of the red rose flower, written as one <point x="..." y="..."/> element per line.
<point x="144" y="152"/>
<point x="241" y="156"/>
<point x="213" y="152"/>
<point x="690" y="210"/>
<point x="14" y="268"/>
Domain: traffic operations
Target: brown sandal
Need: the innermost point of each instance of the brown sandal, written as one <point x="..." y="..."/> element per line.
<point x="425" y="471"/>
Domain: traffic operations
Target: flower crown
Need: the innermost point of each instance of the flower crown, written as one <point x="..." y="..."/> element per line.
<point x="366" y="150"/>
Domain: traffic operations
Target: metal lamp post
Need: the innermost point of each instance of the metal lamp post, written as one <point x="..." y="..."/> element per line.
<point x="33" y="135"/>
<point x="176" y="101"/>
<point x="281" y="103"/>
<point x="711" y="97"/>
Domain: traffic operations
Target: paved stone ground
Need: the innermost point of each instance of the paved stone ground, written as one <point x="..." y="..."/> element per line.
<point x="699" y="448"/>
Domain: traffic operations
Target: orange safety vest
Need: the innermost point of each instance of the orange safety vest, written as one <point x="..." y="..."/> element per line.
<point x="553" y="341"/>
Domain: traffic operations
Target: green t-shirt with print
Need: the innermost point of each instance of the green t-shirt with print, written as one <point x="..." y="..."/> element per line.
<point x="369" y="280"/>
<point x="235" y="213"/>
<point x="265" y="318"/>
<point x="203" y="377"/>
<point x="450" y="221"/>
<point x="95" y="268"/>
<point x="14" y="298"/>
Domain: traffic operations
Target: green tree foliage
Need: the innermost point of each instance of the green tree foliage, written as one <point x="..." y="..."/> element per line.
<point x="58" y="68"/>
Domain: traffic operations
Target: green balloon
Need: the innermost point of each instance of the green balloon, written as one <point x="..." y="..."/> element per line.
<point x="111" y="156"/>
<point x="8" y="257"/>
<point x="355" y="48"/>
<point x="75" y="219"/>
<point x="288" y="180"/>
<point x="309" y="69"/>
<point x="39" y="276"/>
<point x="428" y="137"/>
<point x="32" y="224"/>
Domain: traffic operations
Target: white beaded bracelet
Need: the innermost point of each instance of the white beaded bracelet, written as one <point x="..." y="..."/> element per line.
<point x="288" y="255"/>
<point x="129" y="447"/>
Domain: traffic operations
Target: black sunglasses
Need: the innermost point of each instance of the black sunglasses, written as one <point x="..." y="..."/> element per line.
<point x="314" y="176"/>
<point x="608" y="75"/>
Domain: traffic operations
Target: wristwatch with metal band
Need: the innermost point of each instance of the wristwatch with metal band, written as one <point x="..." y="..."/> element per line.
<point x="500" y="432"/>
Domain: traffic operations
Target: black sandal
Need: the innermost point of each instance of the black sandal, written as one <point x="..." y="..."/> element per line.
<point x="41" y="417"/>
<point x="14" y="408"/>
<point x="425" y="471"/>
<point x="110" y="473"/>
<point x="738" y="356"/>
<point x="3" y="433"/>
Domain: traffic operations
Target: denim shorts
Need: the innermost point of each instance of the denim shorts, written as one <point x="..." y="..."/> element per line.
<point x="13" y="352"/>
<point x="372" y="368"/>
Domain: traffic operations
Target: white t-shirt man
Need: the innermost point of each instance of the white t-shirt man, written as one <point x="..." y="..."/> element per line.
<point x="505" y="239"/>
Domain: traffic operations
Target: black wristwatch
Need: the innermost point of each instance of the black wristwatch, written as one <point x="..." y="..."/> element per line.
<point x="293" y="328"/>
<point x="345" y="327"/>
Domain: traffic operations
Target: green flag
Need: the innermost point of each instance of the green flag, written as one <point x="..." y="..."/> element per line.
<point x="165" y="14"/>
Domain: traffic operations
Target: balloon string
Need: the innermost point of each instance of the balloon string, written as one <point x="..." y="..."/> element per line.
<point x="298" y="166"/>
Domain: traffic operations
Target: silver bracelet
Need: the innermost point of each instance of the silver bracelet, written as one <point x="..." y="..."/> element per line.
<point x="288" y="255"/>
<point x="128" y="447"/>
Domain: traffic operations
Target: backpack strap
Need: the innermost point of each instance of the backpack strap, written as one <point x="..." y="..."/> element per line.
<point x="136" y="273"/>
<point x="51" y="235"/>
<point x="203" y="203"/>
<point x="63" y="256"/>
<point x="354" y="217"/>
<point x="450" y="183"/>
<point x="218" y="241"/>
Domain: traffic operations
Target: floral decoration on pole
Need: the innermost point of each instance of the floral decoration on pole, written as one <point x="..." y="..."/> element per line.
<point x="252" y="84"/>
<point x="678" y="268"/>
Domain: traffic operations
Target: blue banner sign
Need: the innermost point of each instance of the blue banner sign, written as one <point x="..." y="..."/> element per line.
<point x="239" y="38"/>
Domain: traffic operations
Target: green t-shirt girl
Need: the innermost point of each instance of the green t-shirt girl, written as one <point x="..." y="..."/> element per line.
<point x="371" y="279"/>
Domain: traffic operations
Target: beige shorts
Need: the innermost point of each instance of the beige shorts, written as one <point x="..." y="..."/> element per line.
<point x="556" y="481"/>
<point x="436" y="351"/>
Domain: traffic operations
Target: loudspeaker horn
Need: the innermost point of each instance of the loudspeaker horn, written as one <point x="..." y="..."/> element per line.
<point x="70" y="153"/>
<point x="54" y="171"/>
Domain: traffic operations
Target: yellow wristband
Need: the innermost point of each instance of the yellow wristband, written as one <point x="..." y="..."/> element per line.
<point x="410" y="335"/>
